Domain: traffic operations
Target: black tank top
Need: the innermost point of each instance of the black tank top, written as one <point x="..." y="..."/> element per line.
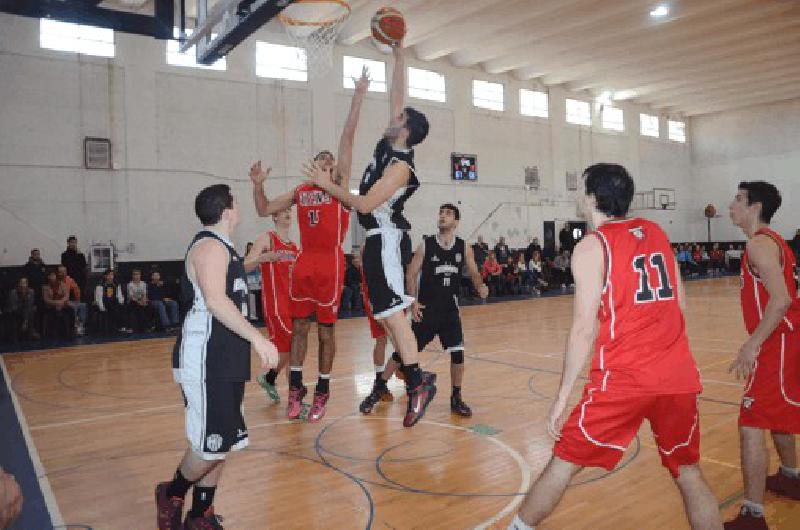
<point x="440" y="276"/>
<point x="206" y="348"/>
<point x="390" y="213"/>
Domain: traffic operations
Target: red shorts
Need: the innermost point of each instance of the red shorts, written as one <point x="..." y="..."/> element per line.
<point x="280" y="331"/>
<point x="315" y="285"/>
<point x="771" y="397"/>
<point x="603" y="424"/>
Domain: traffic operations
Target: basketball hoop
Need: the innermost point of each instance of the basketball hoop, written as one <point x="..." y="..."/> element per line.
<point x="314" y="25"/>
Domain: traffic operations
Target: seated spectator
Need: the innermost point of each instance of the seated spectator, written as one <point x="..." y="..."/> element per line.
<point x="562" y="272"/>
<point x="351" y="292"/>
<point x="511" y="276"/>
<point x="75" y="262"/>
<point x="501" y="251"/>
<point x="700" y="259"/>
<point x="109" y="300"/>
<point x="733" y="259"/>
<point x="35" y="270"/>
<point x="138" y="304"/>
<point x="56" y="305"/>
<point x="526" y="278"/>
<point x="74" y="301"/>
<point x="166" y="308"/>
<point x="533" y="246"/>
<point x="717" y="257"/>
<point x="536" y="270"/>
<point x="492" y="274"/>
<point x="21" y="306"/>
<point x="480" y="250"/>
<point x="685" y="261"/>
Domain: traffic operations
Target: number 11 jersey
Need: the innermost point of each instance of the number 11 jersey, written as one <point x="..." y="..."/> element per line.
<point x="641" y="345"/>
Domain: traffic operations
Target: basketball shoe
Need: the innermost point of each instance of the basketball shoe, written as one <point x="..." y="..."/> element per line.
<point x="295" y="405"/>
<point x="457" y="406"/>
<point x="209" y="521"/>
<point x="378" y="392"/>
<point x="168" y="509"/>
<point x="318" y="407"/>
<point x="419" y="398"/>
<point x="785" y="485"/>
<point x="746" y="521"/>
<point x="272" y="390"/>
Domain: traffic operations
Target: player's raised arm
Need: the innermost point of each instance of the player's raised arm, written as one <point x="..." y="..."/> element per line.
<point x="258" y="253"/>
<point x="397" y="92"/>
<point x="264" y="206"/>
<point x="344" y="164"/>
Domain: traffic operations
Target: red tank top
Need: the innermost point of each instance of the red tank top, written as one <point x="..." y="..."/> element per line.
<point x="323" y="220"/>
<point x="275" y="277"/>
<point x="754" y="293"/>
<point x="641" y="346"/>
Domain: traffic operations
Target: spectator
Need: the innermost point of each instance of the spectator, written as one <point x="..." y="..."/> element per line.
<point x="533" y="246"/>
<point x="536" y="270"/>
<point x="565" y="239"/>
<point x="480" y="250"/>
<point x="701" y="259"/>
<point x="166" y="308"/>
<point x="685" y="261"/>
<point x="56" y="304"/>
<point x="74" y="299"/>
<point x="109" y="300"/>
<point x="75" y="262"/>
<point x="717" y="257"/>
<point x="795" y="245"/>
<point x="511" y="276"/>
<point x="255" y="309"/>
<point x="562" y="272"/>
<point x="22" y="308"/>
<point x="351" y="292"/>
<point x="138" y="304"/>
<point x="526" y="278"/>
<point x="501" y="251"/>
<point x="492" y="274"/>
<point x="733" y="259"/>
<point x="35" y="270"/>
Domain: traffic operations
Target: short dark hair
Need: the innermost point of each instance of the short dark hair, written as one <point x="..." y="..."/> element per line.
<point x="765" y="193"/>
<point x="453" y="208"/>
<point x="105" y="272"/>
<point x="417" y="125"/>
<point x="323" y="152"/>
<point x="71" y="238"/>
<point x="611" y="186"/>
<point x="136" y="270"/>
<point x="211" y="202"/>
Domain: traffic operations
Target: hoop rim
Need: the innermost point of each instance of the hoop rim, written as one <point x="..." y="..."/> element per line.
<point x="291" y="21"/>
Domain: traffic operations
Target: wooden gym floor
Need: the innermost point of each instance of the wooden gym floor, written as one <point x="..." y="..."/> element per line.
<point x="107" y="423"/>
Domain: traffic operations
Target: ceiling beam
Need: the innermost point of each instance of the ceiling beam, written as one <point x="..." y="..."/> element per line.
<point x="722" y="95"/>
<point x="739" y="104"/>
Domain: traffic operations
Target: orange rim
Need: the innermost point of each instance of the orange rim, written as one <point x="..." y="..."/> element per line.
<point x="291" y="21"/>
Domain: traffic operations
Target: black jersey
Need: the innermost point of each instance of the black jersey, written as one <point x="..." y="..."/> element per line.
<point x="440" y="276"/>
<point x="390" y="213"/>
<point x="206" y="348"/>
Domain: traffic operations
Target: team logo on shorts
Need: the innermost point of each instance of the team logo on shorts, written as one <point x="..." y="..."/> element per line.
<point x="747" y="402"/>
<point x="214" y="442"/>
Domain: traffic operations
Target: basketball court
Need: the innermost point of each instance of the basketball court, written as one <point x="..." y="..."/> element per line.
<point x="98" y="425"/>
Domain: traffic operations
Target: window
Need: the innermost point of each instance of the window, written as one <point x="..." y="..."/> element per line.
<point x="377" y="72"/>
<point x="68" y="37"/>
<point x="579" y="112"/>
<point x="189" y="57"/>
<point x="487" y="95"/>
<point x="677" y="130"/>
<point x="533" y="103"/>
<point x="649" y="125"/>
<point x="613" y="118"/>
<point x="281" y="62"/>
<point x="424" y="84"/>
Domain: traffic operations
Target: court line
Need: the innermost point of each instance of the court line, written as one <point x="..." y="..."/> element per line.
<point x="41" y="475"/>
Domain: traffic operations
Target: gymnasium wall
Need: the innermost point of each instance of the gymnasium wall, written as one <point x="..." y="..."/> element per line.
<point x="755" y="143"/>
<point x="175" y="130"/>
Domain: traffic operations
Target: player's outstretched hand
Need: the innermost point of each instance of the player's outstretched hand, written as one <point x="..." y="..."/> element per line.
<point x="317" y="176"/>
<point x="10" y="499"/>
<point x="274" y="257"/>
<point x="362" y="83"/>
<point x="555" y="419"/>
<point x="416" y="311"/>
<point x="257" y="174"/>
<point x="483" y="291"/>
<point x="745" y="361"/>
<point x="267" y="351"/>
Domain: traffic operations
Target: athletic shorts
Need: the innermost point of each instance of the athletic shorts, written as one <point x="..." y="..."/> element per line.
<point x="387" y="252"/>
<point x="603" y="424"/>
<point x="446" y="325"/>
<point x="771" y="397"/>
<point x="214" y="420"/>
<point x="315" y="285"/>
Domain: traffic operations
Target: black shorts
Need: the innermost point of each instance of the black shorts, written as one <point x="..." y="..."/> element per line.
<point x="214" y="420"/>
<point x="446" y="325"/>
<point x="387" y="253"/>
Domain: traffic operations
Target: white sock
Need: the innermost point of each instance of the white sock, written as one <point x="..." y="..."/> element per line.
<point x="378" y="368"/>
<point x="519" y="524"/>
<point x="754" y="508"/>
<point x="790" y="471"/>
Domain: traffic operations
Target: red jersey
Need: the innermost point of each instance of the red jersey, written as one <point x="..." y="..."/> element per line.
<point x="755" y="296"/>
<point x="641" y="346"/>
<point x="323" y="220"/>
<point x="275" y="278"/>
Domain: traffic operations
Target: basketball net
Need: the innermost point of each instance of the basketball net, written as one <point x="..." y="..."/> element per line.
<point x="314" y="26"/>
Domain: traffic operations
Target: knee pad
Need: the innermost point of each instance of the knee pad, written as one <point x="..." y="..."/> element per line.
<point x="457" y="356"/>
<point x="396" y="358"/>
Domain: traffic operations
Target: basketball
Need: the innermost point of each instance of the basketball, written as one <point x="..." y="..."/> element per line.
<point x="388" y="26"/>
<point x="710" y="211"/>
